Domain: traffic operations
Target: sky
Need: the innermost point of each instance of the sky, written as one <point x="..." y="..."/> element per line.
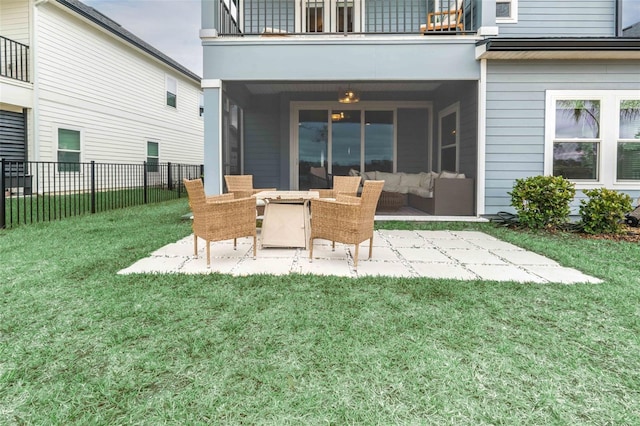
<point x="171" y="26"/>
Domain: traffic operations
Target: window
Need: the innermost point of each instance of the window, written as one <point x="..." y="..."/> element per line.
<point x="628" y="153"/>
<point x="152" y="157"/>
<point x="506" y="11"/>
<point x="68" y="150"/>
<point x="172" y="91"/>
<point x="201" y="105"/>
<point x="317" y="16"/>
<point x="449" y="137"/>
<point x="577" y="138"/>
<point x="593" y="137"/>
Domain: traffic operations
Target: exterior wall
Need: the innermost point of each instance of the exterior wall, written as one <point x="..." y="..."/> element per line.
<point x="90" y="81"/>
<point x="515" y="123"/>
<point x="262" y="142"/>
<point x="554" y="18"/>
<point x="416" y="58"/>
<point x="413" y="140"/>
<point x="15" y="19"/>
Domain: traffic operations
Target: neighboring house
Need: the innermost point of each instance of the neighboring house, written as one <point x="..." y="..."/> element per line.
<point x="75" y="86"/>
<point x="495" y="89"/>
<point x="632" y="31"/>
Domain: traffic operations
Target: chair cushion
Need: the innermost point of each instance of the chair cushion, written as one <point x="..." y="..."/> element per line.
<point x="421" y="192"/>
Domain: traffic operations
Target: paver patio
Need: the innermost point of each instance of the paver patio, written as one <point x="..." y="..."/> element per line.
<point x="463" y="255"/>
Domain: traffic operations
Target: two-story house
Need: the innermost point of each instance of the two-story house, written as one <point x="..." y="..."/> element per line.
<point x="494" y="89"/>
<point x="77" y="87"/>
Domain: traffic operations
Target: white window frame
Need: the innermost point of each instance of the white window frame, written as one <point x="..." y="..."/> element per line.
<point x="513" y="19"/>
<point x="329" y="14"/>
<point x="609" y="134"/>
<point x="168" y="82"/>
<point x="451" y="109"/>
<point x="81" y="151"/>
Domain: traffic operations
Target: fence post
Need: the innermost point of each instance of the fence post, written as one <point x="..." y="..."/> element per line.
<point x="3" y="218"/>
<point x="93" y="187"/>
<point x="169" y="180"/>
<point x="144" y="183"/>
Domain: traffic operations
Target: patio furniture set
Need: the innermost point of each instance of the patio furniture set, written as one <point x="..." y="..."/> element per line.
<point x="291" y="218"/>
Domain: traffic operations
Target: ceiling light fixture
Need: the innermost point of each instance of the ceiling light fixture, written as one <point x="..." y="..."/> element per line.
<point x="348" y="97"/>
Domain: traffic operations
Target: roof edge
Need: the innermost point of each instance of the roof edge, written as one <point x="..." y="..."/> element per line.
<point x="561" y="44"/>
<point x="113" y="27"/>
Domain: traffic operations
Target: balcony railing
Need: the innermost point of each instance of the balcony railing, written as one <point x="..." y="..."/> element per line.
<point x="14" y="59"/>
<point x="345" y="17"/>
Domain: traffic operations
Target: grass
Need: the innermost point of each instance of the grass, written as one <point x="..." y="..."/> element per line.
<point x="82" y="345"/>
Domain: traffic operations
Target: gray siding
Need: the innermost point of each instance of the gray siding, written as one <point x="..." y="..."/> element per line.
<point x="262" y="141"/>
<point x="412" y="147"/>
<point x="516" y="114"/>
<point x="553" y="18"/>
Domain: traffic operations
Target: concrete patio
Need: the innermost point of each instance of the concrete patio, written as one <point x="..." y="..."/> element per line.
<point x="462" y="255"/>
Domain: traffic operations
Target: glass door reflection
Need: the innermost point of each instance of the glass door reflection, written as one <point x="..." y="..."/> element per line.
<point x="345" y="141"/>
<point x="313" y="132"/>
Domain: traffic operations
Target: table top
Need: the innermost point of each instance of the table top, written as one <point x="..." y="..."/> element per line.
<point x="287" y="195"/>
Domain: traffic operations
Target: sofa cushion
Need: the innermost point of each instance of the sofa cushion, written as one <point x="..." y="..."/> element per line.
<point x="445" y="174"/>
<point x="420" y="191"/>
<point x="389" y="187"/>
<point x="369" y="175"/>
<point x="451" y="175"/>
<point x="410" y="179"/>
<point x="391" y="181"/>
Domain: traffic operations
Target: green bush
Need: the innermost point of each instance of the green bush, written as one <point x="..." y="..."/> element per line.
<point x="603" y="212"/>
<point x="542" y="201"/>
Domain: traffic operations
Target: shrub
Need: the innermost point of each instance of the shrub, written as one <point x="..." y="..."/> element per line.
<point x="603" y="212"/>
<point x="542" y="201"/>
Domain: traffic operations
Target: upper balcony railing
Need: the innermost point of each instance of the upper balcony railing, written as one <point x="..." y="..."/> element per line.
<point x="14" y="59"/>
<point x="345" y="17"/>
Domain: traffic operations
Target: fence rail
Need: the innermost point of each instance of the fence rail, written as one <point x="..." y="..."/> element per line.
<point x="34" y="192"/>
<point x="346" y="17"/>
<point x="14" y="59"/>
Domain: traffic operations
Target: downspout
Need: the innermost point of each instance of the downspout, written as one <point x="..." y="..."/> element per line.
<point x="482" y="139"/>
<point x="34" y="75"/>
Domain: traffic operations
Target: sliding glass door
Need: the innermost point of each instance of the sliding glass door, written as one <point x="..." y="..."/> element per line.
<point x="336" y="141"/>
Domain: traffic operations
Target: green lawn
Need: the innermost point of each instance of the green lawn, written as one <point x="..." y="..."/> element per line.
<point x="82" y="345"/>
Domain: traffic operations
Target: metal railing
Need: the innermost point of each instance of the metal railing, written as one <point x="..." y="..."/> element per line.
<point x="34" y="192"/>
<point x="14" y="59"/>
<point x="345" y="17"/>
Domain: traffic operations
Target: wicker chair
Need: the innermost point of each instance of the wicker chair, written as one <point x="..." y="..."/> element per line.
<point x="242" y="186"/>
<point x="347" y="185"/>
<point x="220" y="217"/>
<point x="347" y="220"/>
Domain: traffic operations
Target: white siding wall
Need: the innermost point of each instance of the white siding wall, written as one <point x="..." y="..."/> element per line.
<point x="91" y="81"/>
<point x="14" y="20"/>
<point x="549" y="18"/>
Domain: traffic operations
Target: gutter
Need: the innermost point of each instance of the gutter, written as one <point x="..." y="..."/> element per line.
<point x="122" y="33"/>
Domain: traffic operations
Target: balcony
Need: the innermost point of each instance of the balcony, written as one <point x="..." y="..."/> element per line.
<point x="14" y="59"/>
<point x="345" y="17"/>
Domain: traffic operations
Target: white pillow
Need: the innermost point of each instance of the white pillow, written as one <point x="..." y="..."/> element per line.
<point x="410" y="179"/>
<point x="448" y="175"/>
<point x="369" y="176"/>
<point x="388" y="178"/>
<point x="354" y="172"/>
<point x="425" y="180"/>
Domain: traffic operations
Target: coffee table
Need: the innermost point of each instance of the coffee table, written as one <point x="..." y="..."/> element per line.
<point x="286" y="220"/>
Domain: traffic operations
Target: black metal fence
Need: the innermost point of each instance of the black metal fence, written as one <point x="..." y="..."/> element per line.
<point x="14" y="59"/>
<point x="34" y="192"/>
